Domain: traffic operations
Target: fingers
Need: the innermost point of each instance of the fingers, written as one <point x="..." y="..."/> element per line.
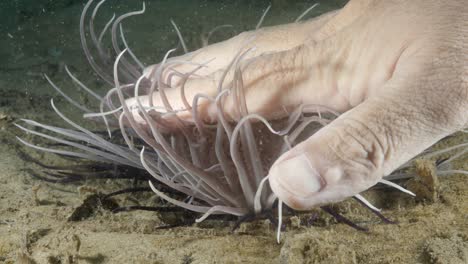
<point x="272" y="85"/>
<point x="370" y="141"/>
<point x="277" y="50"/>
<point x="265" y="40"/>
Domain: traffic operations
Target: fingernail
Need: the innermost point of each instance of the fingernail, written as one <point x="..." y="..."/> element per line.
<point x="297" y="176"/>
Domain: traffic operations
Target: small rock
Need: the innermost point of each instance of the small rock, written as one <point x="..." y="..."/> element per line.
<point x="426" y="183"/>
<point x="439" y="250"/>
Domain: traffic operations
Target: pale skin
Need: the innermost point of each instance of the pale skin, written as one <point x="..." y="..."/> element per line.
<point x="397" y="69"/>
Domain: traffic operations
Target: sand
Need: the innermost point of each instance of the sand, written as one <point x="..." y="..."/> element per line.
<point x="35" y="224"/>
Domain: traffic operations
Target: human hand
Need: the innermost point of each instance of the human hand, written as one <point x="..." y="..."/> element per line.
<point x="398" y="69"/>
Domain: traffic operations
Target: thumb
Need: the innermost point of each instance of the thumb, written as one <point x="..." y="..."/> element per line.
<point x="356" y="150"/>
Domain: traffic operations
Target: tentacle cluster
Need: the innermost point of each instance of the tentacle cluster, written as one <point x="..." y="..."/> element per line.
<point x="221" y="167"/>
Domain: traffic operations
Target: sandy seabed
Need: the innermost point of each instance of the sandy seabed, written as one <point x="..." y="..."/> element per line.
<point x="35" y="224"/>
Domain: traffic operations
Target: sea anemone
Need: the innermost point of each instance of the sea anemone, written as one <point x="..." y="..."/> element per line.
<point x="220" y="167"/>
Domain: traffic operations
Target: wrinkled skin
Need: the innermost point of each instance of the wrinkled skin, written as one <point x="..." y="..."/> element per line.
<point x="397" y="69"/>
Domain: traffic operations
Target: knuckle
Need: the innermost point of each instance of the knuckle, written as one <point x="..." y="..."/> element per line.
<point x="360" y="147"/>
